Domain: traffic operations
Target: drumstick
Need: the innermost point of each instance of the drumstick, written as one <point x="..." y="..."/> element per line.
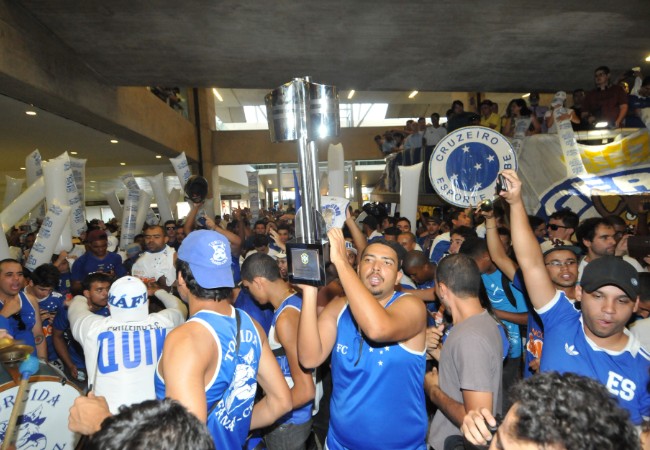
<point x="27" y="368"/>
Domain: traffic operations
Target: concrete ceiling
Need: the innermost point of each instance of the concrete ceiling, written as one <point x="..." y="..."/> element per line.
<point x="381" y="49"/>
<point x="459" y="45"/>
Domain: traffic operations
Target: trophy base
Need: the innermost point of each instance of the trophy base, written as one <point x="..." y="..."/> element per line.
<point x="306" y="262"/>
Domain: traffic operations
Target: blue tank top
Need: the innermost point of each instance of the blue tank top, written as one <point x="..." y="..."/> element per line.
<point x="302" y="414"/>
<point x="234" y="382"/>
<point x="378" y="391"/>
<point x="21" y="324"/>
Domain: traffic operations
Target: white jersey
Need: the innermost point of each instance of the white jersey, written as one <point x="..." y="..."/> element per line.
<point x="151" y="266"/>
<point x="121" y="357"/>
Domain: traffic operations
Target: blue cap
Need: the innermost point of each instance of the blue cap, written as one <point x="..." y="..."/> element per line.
<point x="208" y="254"/>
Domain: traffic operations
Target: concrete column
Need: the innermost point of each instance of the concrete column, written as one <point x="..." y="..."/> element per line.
<point x="278" y="169"/>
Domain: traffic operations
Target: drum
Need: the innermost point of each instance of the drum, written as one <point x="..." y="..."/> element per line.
<point x="43" y="420"/>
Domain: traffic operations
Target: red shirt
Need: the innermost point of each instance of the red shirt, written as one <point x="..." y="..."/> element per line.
<point x="604" y="103"/>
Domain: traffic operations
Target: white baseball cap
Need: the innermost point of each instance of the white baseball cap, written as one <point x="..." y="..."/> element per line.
<point x="127" y="300"/>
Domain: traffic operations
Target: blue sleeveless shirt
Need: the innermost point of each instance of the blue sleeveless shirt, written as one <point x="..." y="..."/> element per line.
<point x="378" y="391"/>
<point x="234" y="382"/>
<point x="302" y="414"/>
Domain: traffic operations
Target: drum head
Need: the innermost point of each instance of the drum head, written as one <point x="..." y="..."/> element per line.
<point x="43" y="417"/>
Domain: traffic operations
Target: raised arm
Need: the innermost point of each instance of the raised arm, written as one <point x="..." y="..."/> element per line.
<point x="529" y="254"/>
<point x="495" y="247"/>
<point x="358" y="238"/>
<point x="316" y="333"/>
<point x="403" y="320"/>
<point x="234" y="239"/>
<point x="188" y="226"/>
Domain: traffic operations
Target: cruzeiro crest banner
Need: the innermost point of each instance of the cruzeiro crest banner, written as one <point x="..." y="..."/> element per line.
<point x="464" y="165"/>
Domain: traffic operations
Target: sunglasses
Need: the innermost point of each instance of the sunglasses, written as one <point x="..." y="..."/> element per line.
<point x="170" y="228"/>
<point x="555" y="227"/>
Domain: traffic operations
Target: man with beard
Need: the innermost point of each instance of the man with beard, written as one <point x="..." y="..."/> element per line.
<point x="377" y="341"/>
<point x="597" y="237"/>
<point x="157" y="262"/>
<point x="95" y="290"/>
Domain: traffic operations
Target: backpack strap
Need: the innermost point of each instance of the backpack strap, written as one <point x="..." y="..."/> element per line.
<point x="505" y="283"/>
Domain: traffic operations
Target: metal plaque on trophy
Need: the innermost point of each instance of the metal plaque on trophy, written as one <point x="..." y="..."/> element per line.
<point x="301" y="111"/>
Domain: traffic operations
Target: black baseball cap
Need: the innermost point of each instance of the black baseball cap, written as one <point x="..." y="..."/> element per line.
<point x="370" y="221"/>
<point x="611" y="270"/>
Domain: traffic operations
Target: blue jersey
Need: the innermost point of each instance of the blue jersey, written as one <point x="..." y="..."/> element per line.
<point x="378" y="391"/>
<point x="302" y="414"/>
<point x="439" y="251"/>
<point x="75" y="350"/>
<point x="234" y="383"/>
<point x="236" y="269"/>
<point x="65" y="283"/>
<point x="21" y="324"/>
<point x="535" y="328"/>
<point x="51" y="304"/>
<point x="263" y="314"/>
<point x="88" y="263"/>
<point x="432" y="306"/>
<point x="625" y="373"/>
<point x="494" y="285"/>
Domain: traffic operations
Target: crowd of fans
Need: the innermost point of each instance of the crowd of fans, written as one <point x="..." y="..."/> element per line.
<point x="420" y="337"/>
<point x="613" y="103"/>
<point x="483" y="298"/>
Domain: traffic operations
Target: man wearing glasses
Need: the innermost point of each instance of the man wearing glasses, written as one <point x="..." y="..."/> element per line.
<point x="562" y="224"/>
<point x="170" y="230"/>
<point x="607" y="102"/>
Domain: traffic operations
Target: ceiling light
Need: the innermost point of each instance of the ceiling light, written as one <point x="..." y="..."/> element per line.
<point x="114" y="141"/>
<point x="526" y="95"/>
<point x="73" y="153"/>
<point x="601" y="124"/>
<point x="122" y="164"/>
<point x="413" y="94"/>
<point x="22" y="168"/>
<point x="351" y="94"/>
<point x="647" y="58"/>
<point x="216" y="94"/>
<point x="92" y="181"/>
<point x="158" y="156"/>
<point x="270" y="182"/>
<point x="30" y="113"/>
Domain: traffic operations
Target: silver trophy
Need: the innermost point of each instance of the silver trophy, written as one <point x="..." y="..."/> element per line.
<point x="301" y="111"/>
